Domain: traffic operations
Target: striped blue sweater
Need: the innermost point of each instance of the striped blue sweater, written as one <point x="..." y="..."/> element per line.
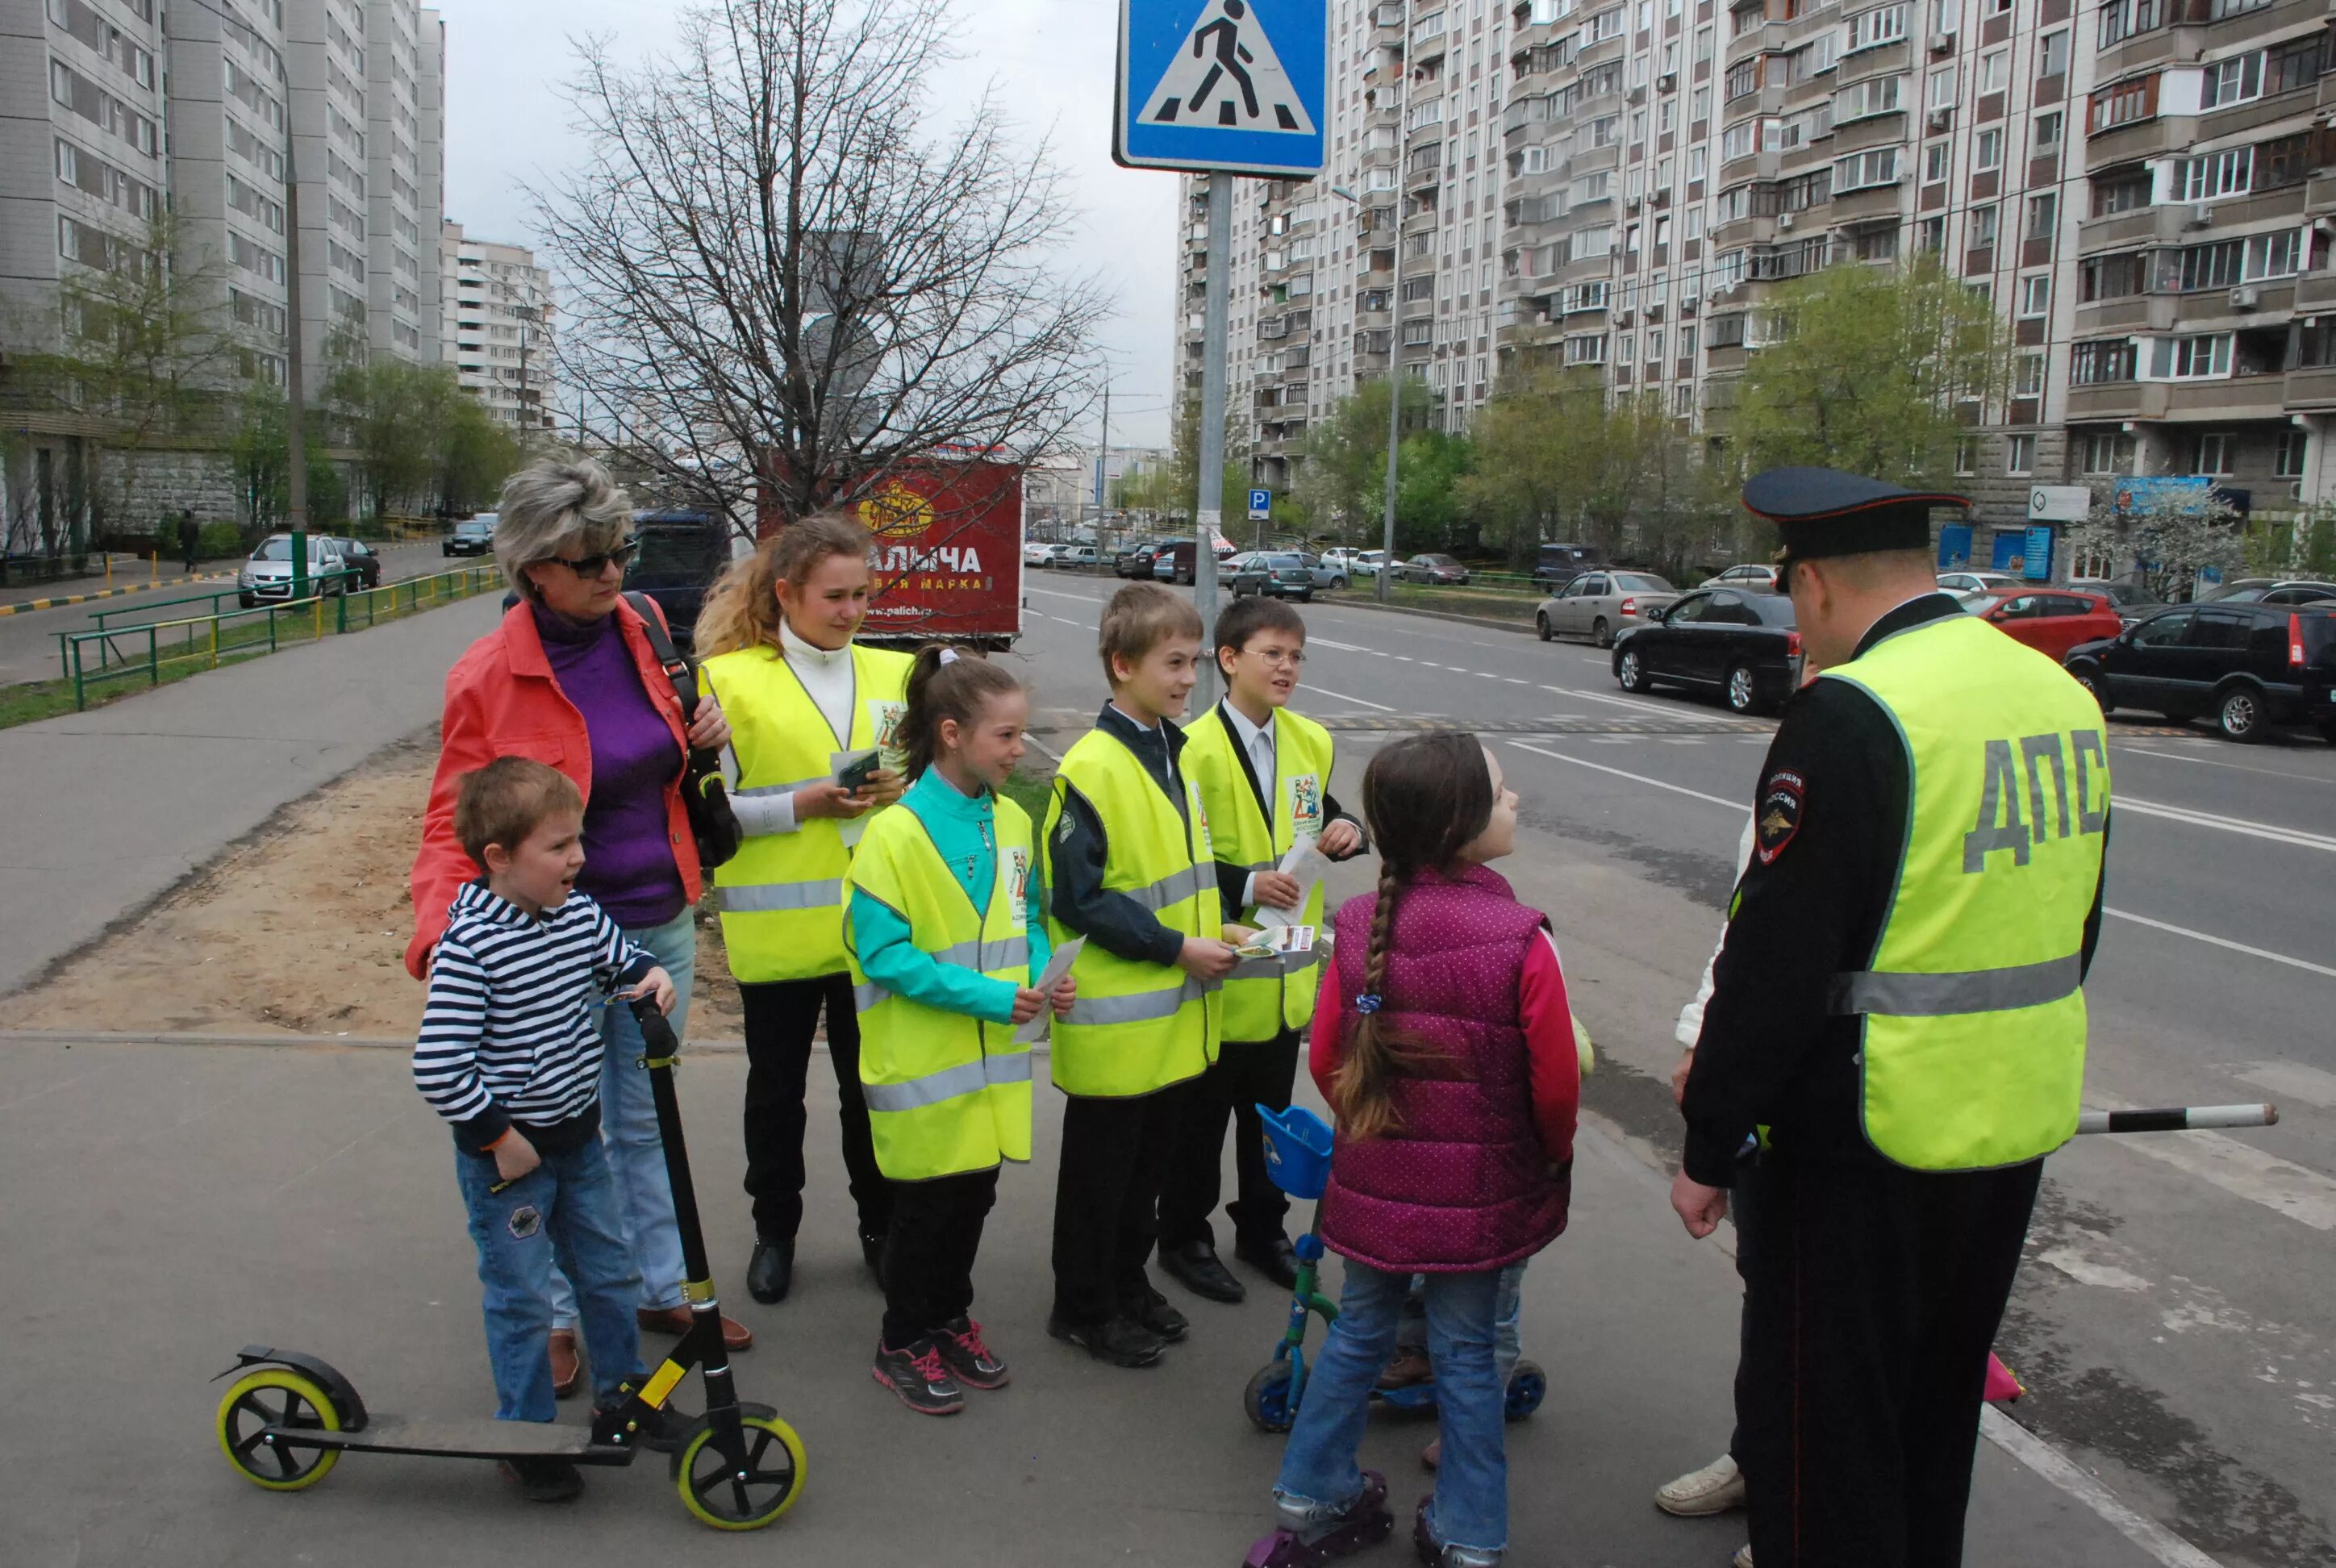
<point x="510" y="1032"/>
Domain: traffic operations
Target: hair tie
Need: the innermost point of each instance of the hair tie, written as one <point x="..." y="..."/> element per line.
<point x="949" y="656"/>
<point x="1368" y="1003"/>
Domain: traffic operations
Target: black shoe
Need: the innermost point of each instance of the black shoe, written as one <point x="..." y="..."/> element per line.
<point x="1274" y="1258"/>
<point x="661" y="1431"/>
<point x="920" y="1377"/>
<point x="1151" y="1309"/>
<point x="1120" y="1339"/>
<point x="872" y="1252"/>
<point x="969" y="1357"/>
<point x="1196" y="1266"/>
<point x="543" y="1480"/>
<point x="771" y="1271"/>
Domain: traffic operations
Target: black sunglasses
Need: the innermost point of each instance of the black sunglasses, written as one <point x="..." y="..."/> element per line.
<point x="592" y="565"/>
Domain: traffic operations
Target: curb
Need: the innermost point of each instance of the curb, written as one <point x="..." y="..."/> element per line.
<point x="26" y="606"/>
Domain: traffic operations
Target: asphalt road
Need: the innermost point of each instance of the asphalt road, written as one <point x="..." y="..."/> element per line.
<point x="28" y="639"/>
<point x="2173" y="1321"/>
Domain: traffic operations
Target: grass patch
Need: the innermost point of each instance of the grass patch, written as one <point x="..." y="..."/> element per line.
<point x="1490" y="603"/>
<point x="1032" y="791"/>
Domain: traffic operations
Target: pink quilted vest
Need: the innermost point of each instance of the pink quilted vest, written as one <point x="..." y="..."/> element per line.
<point x="1464" y="1183"/>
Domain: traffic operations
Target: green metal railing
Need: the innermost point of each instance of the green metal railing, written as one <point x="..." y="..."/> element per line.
<point x="317" y="589"/>
<point x="111" y="653"/>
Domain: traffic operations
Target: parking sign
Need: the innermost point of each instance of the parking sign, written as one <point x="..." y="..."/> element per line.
<point x="1260" y="505"/>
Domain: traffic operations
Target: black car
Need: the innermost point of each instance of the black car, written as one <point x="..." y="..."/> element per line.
<point x="1741" y="646"/>
<point x="472" y="536"/>
<point x="1136" y="560"/>
<point x="681" y="554"/>
<point x="2249" y="667"/>
<point x="2274" y="591"/>
<point x="357" y="556"/>
<point x="1273" y="573"/>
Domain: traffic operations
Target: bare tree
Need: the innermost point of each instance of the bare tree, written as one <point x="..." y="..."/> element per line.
<point x="787" y="280"/>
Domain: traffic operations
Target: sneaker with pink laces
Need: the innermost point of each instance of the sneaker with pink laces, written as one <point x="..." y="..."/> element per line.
<point x="969" y="1358"/>
<point x="917" y="1373"/>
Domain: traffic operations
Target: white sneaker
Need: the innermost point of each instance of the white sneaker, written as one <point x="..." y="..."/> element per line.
<point x="1715" y="1488"/>
<point x="1742" y="1558"/>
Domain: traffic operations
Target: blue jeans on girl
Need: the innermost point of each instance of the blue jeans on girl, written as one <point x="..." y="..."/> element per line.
<point x="563" y="1210"/>
<point x="1471" y="1507"/>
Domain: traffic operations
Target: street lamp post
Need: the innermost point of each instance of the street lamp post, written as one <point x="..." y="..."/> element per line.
<point x="1395" y="363"/>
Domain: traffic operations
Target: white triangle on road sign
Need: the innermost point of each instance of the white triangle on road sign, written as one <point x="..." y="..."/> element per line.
<point x="1226" y="76"/>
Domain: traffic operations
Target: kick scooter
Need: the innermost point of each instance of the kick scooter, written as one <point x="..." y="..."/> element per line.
<point x="1297" y="1158"/>
<point x="289" y="1416"/>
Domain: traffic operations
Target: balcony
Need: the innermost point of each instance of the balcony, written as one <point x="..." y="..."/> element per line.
<point x="2313" y="387"/>
<point x="2117" y="400"/>
<point x="2239" y="398"/>
<point x="2315" y="291"/>
<point x="1866" y="203"/>
<point x="2201" y="308"/>
<point x="2143" y="225"/>
<point x="2130" y="313"/>
<point x="2153" y="138"/>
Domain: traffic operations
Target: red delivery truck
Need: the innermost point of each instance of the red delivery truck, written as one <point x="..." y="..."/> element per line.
<point x="946" y="554"/>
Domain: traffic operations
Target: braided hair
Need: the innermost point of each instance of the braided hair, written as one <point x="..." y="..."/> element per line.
<point x="1426" y="797"/>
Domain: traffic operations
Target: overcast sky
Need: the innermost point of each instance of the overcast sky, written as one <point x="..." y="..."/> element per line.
<point x="506" y="124"/>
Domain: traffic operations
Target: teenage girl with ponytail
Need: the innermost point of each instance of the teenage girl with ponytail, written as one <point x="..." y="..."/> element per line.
<point x="945" y="930"/>
<point x="1445" y="1047"/>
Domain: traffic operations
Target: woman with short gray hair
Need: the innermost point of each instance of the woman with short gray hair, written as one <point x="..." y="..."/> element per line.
<point x="571" y="677"/>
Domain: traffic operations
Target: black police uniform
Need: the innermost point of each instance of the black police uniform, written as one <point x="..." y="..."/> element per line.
<point x="1874" y="1292"/>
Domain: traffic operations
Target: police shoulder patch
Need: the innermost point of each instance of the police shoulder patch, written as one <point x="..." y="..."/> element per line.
<point x="1782" y="804"/>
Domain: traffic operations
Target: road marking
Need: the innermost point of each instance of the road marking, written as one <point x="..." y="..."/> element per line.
<point x="2217" y="762"/>
<point x="1326" y="691"/>
<point x="2239" y="1169"/>
<point x="1614" y="701"/>
<point x="1341" y="647"/>
<point x="1633" y="778"/>
<point x="1050" y="593"/>
<point x="2045" y="1460"/>
<point x="2277" y="834"/>
<point x="2294" y="1081"/>
<point x="2304" y="964"/>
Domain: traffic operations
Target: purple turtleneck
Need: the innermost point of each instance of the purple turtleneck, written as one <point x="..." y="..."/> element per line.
<point x="628" y="865"/>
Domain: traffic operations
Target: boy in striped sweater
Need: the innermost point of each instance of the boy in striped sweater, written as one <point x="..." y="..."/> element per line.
<point x="509" y="1054"/>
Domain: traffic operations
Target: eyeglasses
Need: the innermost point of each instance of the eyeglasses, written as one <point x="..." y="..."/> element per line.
<point x="1276" y="655"/>
<point x="592" y="565"/>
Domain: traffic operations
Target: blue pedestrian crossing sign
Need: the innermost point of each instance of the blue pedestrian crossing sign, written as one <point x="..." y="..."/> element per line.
<point x="1230" y="84"/>
<point x="1260" y="505"/>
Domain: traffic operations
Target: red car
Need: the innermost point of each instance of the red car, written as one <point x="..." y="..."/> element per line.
<point x="2051" y="621"/>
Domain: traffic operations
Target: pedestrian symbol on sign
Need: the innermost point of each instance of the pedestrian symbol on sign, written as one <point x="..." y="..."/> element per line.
<point x="1227" y="74"/>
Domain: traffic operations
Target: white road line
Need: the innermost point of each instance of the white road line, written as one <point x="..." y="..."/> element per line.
<point x="2253" y="830"/>
<point x="1341" y="647"/>
<point x="2045" y="1460"/>
<point x="1326" y="691"/>
<point x="1050" y="593"/>
<point x="2304" y="964"/>
<point x="1633" y="778"/>
<point x="2293" y="1081"/>
<point x="2238" y="1168"/>
<point x="1613" y="701"/>
<point x="2217" y="762"/>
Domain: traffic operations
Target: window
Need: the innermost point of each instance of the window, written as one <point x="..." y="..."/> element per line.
<point x="2018" y="454"/>
<point x="2215" y="450"/>
<point x="2121" y="19"/>
<point x="2229" y="82"/>
<point x="1930" y="234"/>
<point x="1882" y="24"/>
<point x="1587" y="348"/>
<point x="1966" y="456"/>
<point x="2107" y="453"/>
<point x="2102" y="361"/>
<point x="2288" y="66"/>
<point x="2052" y="54"/>
<point x="1934" y="162"/>
<point x="2216" y="266"/>
<point x="2289" y="462"/>
<point x="2029" y="379"/>
<point x="1983" y="228"/>
<point x="2046" y="137"/>
<point x="2281" y="162"/>
<point x="2120" y="190"/>
<point x="1875" y="166"/>
<point x="1943" y="89"/>
<point x="2275" y="254"/>
<point x="2217" y="175"/>
<point x="2043" y="213"/>
<point x="2121" y="104"/>
<point x="1625" y="350"/>
<point x="1875" y="244"/>
<point x="2196" y="358"/>
<point x="2035" y="294"/>
<point x="1993" y="71"/>
<point x="1875" y="95"/>
<point x="1986" y="150"/>
<point x="1698" y="163"/>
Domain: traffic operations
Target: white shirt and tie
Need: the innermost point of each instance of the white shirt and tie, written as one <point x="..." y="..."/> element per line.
<point x="1257" y="744"/>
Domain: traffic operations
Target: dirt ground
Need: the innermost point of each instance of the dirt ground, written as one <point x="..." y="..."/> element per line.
<point x="299" y="929"/>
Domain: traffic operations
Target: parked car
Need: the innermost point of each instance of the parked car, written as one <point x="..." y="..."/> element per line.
<point x="1071" y="555"/>
<point x="1977" y="581"/>
<point x="357" y="556"/>
<point x="1137" y="560"/>
<point x="681" y="552"/>
<point x="1325" y="574"/>
<point x="1431" y="567"/>
<point x="1559" y="564"/>
<point x="1278" y="574"/>
<point x="268" y="575"/>
<point x="1740" y="645"/>
<point x="1749" y="579"/>
<point x="2249" y="667"/>
<point x="1599" y="605"/>
<point x="2133" y="602"/>
<point x="1037" y="552"/>
<point x="2272" y="590"/>
<point x="472" y="536"/>
<point x="1173" y="563"/>
<point x="1357" y="565"/>
<point x="2051" y="622"/>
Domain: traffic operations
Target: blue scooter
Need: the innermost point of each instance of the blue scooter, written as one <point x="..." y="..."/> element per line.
<point x="1297" y="1158"/>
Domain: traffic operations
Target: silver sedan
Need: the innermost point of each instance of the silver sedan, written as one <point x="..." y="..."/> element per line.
<point x="1602" y="605"/>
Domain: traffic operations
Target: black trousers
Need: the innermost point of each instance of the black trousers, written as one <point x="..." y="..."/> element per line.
<point x="1872" y="1299"/>
<point x="782" y="1016"/>
<point x="930" y="1249"/>
<point x="1107" y="1197"/>
<point x="1245" y="1073"/>
<point x="1744" y="1207"/>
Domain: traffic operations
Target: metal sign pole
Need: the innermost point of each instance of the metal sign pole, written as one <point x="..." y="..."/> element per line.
<point x="1207" y="510"/>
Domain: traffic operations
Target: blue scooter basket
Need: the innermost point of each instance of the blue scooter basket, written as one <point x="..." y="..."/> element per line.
<point x="1297" y="1150"/>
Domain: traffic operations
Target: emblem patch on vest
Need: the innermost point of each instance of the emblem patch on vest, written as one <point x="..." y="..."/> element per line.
<point x="1783" y="800"/>
<point x="1306" y="805"/>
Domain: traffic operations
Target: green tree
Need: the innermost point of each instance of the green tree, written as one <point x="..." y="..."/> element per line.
<point x="1341" y="483"/>
<point x="473" y="453"/>
<point x="1879" y="372"/>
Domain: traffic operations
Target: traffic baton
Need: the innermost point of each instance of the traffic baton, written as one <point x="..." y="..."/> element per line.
<point x="2178" y="1119"/>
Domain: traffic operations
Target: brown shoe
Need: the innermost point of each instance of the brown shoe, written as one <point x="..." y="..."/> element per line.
<point x="675" y="1320"/>
<point x="1409" y="1368"/>
<point x="567" y="1369"/>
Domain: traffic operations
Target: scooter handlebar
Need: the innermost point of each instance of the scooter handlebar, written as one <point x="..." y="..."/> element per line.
<point x="657" y="1033"/>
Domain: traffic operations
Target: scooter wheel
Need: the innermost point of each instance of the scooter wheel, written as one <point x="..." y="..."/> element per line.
<point x="276" y="1396"/>
<point x="1528" y="1386"/>
<point x="1266" y="1400"/>
<point x="745" y="1498"/>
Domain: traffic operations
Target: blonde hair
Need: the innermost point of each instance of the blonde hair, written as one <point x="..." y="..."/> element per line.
<point x="1139" y="618"/>
<point x="556" y="500"/>
<point x="742" y="610"/>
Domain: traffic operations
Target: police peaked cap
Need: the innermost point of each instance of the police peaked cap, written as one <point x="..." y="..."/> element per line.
<point x="1822" y="512"/>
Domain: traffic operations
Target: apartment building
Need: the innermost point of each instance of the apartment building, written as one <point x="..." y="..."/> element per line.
<point x="228" y="134"/>
<point x="496" y="326"/>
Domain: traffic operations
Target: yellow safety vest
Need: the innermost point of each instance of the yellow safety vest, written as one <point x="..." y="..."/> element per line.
<point x="1973" y="1039"/>
<point x="1264" y="996"/>
<point x="782" y="895"/>
<point x="1138" y="1027"/>
<point x="947" y="1091"/>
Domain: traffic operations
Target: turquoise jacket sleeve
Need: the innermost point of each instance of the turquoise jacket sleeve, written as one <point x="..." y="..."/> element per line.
<point x="890" y="957"/>
<point x="1041" y="950"/>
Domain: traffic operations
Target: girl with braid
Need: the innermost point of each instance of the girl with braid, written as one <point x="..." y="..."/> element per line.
<point x="1444" y="1046"/>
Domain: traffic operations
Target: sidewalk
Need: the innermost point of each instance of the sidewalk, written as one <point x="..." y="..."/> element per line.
<point x="169" y="1203"/>
<point x="108" y="808"/>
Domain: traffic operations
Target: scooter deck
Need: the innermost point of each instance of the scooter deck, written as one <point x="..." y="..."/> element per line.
<point x="461" y="1440"/>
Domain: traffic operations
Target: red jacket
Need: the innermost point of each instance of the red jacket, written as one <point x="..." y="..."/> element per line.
<point x="502" y="701"/>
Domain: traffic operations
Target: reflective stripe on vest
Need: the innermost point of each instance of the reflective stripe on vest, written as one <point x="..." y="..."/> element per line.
<point x="1972" y="1040"/>
<point x="1138" y="1027"/>
<point x="1263" y="997"/>
<point x="946" y="1092"/>
<point x="781" y="896"/>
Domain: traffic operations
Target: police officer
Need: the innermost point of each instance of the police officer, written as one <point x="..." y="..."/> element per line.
<point x="1897" y="1027"/>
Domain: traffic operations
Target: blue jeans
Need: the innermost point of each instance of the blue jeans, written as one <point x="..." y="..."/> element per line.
<point x="1471" y="1506"/>
<point x="629" y="1128"/>
<point x="566" y="1208"/>
<point x="1508" y="1344"/>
